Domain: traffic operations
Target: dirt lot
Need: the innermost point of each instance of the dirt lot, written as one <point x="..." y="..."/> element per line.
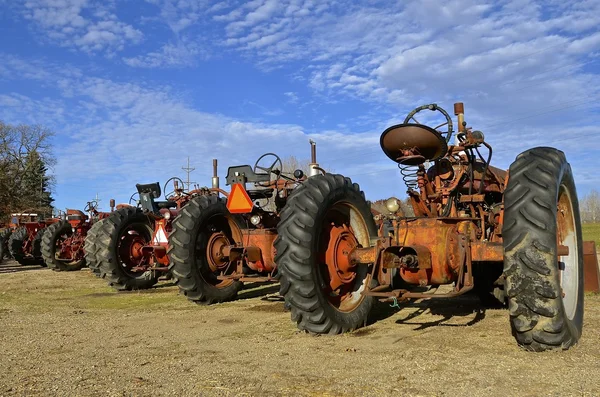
<point x="70" y="334"/>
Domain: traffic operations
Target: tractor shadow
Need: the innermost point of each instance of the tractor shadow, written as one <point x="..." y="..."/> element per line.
<point x="462" y="311"/>
<point x="261" y="290"/>
<point x="12" y="266"/>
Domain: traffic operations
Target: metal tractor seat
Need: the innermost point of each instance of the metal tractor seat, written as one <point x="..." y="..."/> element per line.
<point x="244" y="174"/>
<point x="150" y="191"/>
<point x="413" y="144"/>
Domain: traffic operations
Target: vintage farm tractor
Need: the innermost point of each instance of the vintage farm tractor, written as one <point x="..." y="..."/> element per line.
<point x="131" y="244"/>
<point x="475" y="226"/>
<point x="63" y="242"/>
<point x="25" y="241"/>
<point x="217" y="243"/>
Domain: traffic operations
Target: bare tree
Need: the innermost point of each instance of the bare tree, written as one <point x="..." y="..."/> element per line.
<point x="590" y="207"/>
<point x="25" y="155"/>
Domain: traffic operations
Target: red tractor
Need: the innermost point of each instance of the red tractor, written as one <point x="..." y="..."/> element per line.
<point x="63" y="242"/>
<point x="131" y="244"/>
<point x="218" y="244"/>
<point x="515" y="234"/>
<point x="25" y="241"/>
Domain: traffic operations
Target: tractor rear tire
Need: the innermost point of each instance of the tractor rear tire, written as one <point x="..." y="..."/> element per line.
<point x="108" y="241"/>
<point x="545" y="291"/>
<point x="50" y="238"/>
<point x="15" y="246"/>
<point x="36" y="251"/>
<point x="91" y="248"/>
<point x="4" y="237"/>
<point x="188" y="243"/>
<point x="320" y="203"/>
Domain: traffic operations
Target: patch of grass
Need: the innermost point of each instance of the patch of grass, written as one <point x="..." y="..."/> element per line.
<point x="101" y="297"/>
<point x="591" y="231"/>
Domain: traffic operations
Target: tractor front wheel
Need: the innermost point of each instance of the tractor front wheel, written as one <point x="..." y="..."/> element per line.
<point x="201" y="232"/>
<point x="543" y="251"/>
<point x="52" y="241"/>
<point x="120" y="240"/>
<point x="324" y="219"/>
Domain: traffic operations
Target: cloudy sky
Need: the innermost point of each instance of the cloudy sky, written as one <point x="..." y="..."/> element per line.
<point x="132" y="88"/>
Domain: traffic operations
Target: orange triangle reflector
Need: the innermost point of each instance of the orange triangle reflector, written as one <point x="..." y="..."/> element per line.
<point x="238" y="201"/>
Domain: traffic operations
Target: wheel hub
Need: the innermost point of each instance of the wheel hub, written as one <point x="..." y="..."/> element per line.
<point x="131" y="250"/>
<point x="341" y="243"/>
<point x="214" y="251"/>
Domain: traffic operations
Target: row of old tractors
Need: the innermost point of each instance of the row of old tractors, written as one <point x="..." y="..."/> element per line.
<point x="513" y="235"/>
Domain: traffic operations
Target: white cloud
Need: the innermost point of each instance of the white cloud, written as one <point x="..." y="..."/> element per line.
<point x="183" y="53"/>
<point x="125" y="133"/>
<point x="87" y="25"/>
<point x="181" y="14"/>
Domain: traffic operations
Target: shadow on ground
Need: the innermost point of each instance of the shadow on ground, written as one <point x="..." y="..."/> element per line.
<point x="12" y="266"/>
<point x="462" y="311"/>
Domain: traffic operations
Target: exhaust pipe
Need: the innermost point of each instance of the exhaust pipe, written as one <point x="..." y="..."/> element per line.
<point x="313" y="167"/>
<point x="215" y="178"/>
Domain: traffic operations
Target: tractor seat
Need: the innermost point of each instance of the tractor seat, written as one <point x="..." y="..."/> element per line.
<point x="257" y="194"/>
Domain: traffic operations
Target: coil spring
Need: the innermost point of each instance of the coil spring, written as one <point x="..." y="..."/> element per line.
<point x="409" y="175"/>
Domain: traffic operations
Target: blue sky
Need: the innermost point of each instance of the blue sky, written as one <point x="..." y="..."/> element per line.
<point x="132" y="88"/>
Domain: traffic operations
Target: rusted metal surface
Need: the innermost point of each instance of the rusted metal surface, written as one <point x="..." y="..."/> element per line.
<point x="337" y="256"/>
<point x="259" y="244"/>
<point x="591" y="271"/>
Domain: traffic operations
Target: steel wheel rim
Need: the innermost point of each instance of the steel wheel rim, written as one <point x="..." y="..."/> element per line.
<point x="221" y="230"/>
<point x="130" y="245"/>
<point x="568" y="265"/>
<point x="343" y="229"/>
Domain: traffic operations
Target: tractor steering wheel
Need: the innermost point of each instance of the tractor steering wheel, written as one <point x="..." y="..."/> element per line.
<point x="135" y="202"/>
<point x="91" y="206"/>
<point x="433" y="107"/>
<point x="175" y="190"/>
<point x="268" y="170"/>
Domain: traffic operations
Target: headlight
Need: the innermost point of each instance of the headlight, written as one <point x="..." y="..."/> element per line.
<point x="392" y="204"/>
<point x="167" y="215"/>
<point x="255" y="219"/>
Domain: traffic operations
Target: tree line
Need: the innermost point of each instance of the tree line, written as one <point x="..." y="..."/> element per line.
<point x="589" y="206"/>
<point x="25" y="158"/>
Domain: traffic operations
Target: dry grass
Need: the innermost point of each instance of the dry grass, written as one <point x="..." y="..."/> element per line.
<point x="591" y="231"/>
<point x="70" y="334"/>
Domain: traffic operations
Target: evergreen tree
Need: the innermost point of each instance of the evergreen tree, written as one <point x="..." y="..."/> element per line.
<point x="35" y="184"/>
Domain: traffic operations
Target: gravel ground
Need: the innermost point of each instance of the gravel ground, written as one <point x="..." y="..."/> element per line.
<point x="68" y="334"/>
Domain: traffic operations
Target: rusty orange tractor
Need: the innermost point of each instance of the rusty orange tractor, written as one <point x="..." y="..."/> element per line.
<point x="516" y="233"/>
<point x="131" y="243"/>
<point x="24" y="242"/>
<point x="218" y="243"/>
<point x="62" y="245"/>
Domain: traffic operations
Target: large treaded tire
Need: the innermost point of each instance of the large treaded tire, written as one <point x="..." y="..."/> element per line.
<point x="538" y="316"/>
<point x="297" y="245"/>
<point x="4" y="237"/>
<point x="36" y="251"/>
<point x="15" y="246"/>
<point x="48" y="248"/>
<point x="90" y="248"/>
<point x="107" y="241"/>
<point x="192" y="270"/>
